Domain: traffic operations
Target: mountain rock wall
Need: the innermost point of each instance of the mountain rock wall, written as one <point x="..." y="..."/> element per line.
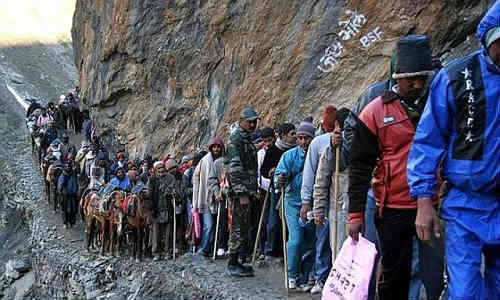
<point x="165" y="76"/>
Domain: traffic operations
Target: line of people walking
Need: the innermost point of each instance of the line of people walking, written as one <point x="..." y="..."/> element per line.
<point x="418" y="152"/>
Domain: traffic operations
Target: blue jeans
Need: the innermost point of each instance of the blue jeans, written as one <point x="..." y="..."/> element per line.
<point x="300" y="245"/>
<point x="273" y="227"/>
<point x="371" y="235"/>
<point x="207" y="235"/>
<point x="370" y="211"/>
<point x="189" y="214"/>
<point x="323" y="262"/>
<point x="222" y="236"/>
<point x="416" y="281"/>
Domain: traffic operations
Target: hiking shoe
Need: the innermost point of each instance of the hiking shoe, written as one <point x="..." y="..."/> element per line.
<point x="156" y="257"/>
<point x="262" y="257"/>
<point x="239" y="271"/>
<point x="317" y="288"/>
<point x="304" y="287"/>
<point x="292" y="283"/>
<point x="221" y="252"/>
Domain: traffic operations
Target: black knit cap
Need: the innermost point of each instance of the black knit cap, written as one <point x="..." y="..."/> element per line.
<point x="413" y="57"/>
<point x="266" y="132"/>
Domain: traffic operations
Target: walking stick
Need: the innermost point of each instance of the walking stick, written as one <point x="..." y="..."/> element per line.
<point x="261" y="220"/>
<point x="217" y="230"/>
<point x="283" y="232"/>
<point x="175" y="227"/>
<point x="336" y="204"/>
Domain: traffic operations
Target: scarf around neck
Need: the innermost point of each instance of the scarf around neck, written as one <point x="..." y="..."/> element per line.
<point x="284" y="146"/>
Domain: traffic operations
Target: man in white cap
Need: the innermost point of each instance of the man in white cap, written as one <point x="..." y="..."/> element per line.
<point x="161" y="189"/>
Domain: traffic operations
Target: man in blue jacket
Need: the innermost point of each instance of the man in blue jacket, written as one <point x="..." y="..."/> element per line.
<point x="460" y="127"/>
<point x="301" y="231"/>
<point x="121" y="180"/>
<point x="68" y="187"/>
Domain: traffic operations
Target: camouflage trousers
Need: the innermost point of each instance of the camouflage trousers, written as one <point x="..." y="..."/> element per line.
<point x="239" y="235"/>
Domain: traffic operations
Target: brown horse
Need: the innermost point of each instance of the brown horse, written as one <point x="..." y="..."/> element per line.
<point x="116" y="222"/>
<point x="140" y="222"/>
<point x="96" y="220"/>
<point x="52" y="175"/>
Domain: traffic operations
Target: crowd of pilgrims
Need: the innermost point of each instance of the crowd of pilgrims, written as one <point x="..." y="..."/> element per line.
<point x="195" y="182"/>
<point x="381" y="170"/>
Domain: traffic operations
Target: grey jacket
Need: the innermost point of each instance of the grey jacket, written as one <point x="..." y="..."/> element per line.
<point x="324" y="187"/>
<point x="215" y="177"/>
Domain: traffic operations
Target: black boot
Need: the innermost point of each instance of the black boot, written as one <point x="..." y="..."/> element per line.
<point x="244" y="260"/>
<point x="236" y="269"/>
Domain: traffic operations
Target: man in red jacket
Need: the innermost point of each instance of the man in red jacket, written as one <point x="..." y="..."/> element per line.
<point x="382" y="141"/>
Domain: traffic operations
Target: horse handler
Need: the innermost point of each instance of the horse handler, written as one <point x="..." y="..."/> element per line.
<point x="68" y="187"/>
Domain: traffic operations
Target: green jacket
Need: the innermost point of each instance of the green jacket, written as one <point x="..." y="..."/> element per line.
<point x="161" y="191"/>
<point x="240" y="163"/>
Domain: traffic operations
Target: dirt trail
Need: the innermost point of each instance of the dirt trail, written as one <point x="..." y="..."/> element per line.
<point x="34" y="230"/>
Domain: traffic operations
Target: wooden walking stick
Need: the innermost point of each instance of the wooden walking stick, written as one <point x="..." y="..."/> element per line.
<point x="217" y="230"/>
<point x="261" y="220"/>
<point x="283" y="232"/>
<point x="175" y="227"/>
<point x="337" y="202"/>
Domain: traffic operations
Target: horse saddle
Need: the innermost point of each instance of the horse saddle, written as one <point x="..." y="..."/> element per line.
<point x="129" y="205"/>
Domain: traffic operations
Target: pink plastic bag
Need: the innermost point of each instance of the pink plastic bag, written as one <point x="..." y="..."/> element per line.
<point x="351" y="271"/>
<point x="197" y="223"/>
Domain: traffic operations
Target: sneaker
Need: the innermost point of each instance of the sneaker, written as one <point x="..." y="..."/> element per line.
<point x="317" y="288"/>
<point x="221" y="252"/>
<point x="292" y="283"/>
<point x="304" y="287"/>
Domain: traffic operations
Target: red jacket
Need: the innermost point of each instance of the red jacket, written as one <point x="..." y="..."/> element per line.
<point x="383" y="140"/>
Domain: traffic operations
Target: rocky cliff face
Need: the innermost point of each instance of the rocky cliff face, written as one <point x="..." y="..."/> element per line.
<point x="168" y="75"/>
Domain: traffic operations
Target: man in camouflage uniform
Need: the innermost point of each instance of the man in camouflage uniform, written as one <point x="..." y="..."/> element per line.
<point x="240" y="165"/>
<point x="161" y="188"/>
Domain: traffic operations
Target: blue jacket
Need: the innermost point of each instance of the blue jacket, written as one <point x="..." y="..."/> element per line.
<point x="67" y="184"/>
<point x="123" y="184"/>
<point x="291" y="165"/>
<point x="50" y="135"/>
<point x="460" y="126"/>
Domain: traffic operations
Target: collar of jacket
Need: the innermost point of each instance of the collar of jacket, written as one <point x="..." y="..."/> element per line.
<point x="389" y="96"/>
<point x="242" y="132"/>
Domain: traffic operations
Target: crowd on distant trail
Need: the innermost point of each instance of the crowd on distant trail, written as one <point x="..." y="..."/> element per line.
<point x="413" y="167"/>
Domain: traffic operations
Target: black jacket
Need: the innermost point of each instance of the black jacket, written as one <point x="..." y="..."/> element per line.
<point x="271" y="160"/>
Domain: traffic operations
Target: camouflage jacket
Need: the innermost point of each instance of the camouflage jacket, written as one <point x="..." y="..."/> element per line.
<point x="240" y="163"/>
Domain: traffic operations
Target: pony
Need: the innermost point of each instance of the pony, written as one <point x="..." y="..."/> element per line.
<point x="140" y="220"/>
